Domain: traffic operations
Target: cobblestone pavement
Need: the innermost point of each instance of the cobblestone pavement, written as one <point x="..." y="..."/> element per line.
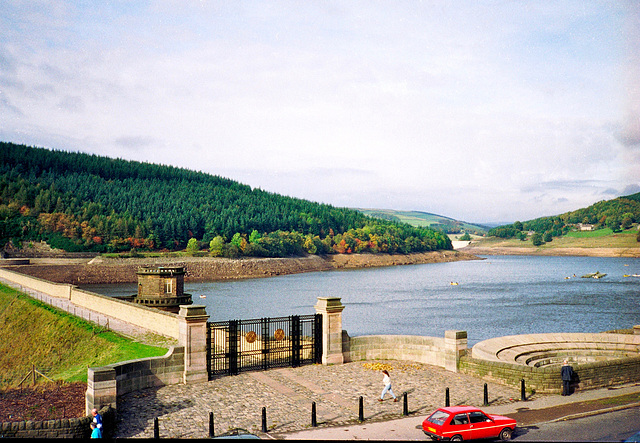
<point x="288" y="394"/>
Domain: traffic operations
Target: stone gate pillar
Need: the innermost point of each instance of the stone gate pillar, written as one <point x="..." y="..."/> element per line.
<point x="101" y="388"/>
<point x="331" y="310"/>
<point x="193" y="336"/>
<point x="455" y="345"/>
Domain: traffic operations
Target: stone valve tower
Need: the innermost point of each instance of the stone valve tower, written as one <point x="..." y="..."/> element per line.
<point x="162" y="287"/>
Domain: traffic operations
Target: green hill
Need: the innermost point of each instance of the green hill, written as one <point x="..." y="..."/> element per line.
<point x="82" y="202"/>
<point x="602" y="218"/>
<point x="58" y="344"/>
<point x="425" y="219"/>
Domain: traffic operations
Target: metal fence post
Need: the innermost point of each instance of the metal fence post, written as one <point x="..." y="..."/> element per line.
<point x="156" y="428"/>
<point x="211" y="430"/>
<point x="264" y="419"/>
<point x="446" y="398"/>
<point x="361" y="409"/>
<point x="523" y="394"/>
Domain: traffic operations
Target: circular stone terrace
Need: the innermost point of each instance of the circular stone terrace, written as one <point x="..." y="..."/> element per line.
<point x="538" y="350"/>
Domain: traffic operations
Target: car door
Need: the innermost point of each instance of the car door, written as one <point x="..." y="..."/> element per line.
<point x="481" y="426"/>
<point x="459" y="425"/>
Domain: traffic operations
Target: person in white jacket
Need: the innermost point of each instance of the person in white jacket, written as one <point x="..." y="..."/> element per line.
<point x="386" y="380"/>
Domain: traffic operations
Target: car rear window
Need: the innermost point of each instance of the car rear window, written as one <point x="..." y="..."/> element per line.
<point x="438" y="418"/>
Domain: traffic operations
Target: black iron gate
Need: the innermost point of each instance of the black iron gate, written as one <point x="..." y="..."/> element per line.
<point x="236" y="346"/>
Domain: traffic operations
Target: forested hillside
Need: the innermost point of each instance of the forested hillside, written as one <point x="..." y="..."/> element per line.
<point x="618" y="214"/>
<point x="82" y="202"/>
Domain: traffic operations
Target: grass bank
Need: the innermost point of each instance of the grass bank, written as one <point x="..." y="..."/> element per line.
<point x="602" y="238"/>
<point x="58" y="344"/>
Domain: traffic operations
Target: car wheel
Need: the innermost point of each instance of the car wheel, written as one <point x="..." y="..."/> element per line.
<point x="456" y="438"/>
<point x="505" y="434"/>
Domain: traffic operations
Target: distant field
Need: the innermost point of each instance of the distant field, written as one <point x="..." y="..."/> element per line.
<point x="58" y="344"/>
<point x="420" y="219"/>
<point x="603" y="238"/>
<point x="594" y="234"/>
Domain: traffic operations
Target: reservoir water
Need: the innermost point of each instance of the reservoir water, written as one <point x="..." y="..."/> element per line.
<point x="497" y="296"/>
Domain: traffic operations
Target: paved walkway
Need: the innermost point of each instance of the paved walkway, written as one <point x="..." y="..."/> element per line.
<point x="288" y="394"/>
<point x="554" y="407"/>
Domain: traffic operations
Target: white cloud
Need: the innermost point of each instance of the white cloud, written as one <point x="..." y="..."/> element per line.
<point x="477" y="112"/>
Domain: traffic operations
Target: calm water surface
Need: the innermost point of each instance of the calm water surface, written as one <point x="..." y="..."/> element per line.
<point x="501" y="295"/>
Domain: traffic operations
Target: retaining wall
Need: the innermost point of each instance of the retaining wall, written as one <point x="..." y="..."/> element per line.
<point x="427" y="350"/>
<point x="59" y="428"/>
<point x="160" y="322"/>
<point x="105" y="384"/>
<point x="547" y="379"/>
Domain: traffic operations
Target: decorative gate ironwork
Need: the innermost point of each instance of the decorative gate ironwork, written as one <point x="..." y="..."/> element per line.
<point x="235" y="346"/>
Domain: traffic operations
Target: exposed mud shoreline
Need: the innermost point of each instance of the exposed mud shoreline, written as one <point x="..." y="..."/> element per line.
<point x="558" y="252"/>
<point x="104" y="271"/>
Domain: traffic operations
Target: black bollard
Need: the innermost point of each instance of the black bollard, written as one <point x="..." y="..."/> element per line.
<point x="211" y="431"/>
<point x="361" y="410"/>
<point x="486" y="395"/>
<point x="523" y="394"/>
<point x="314" y="422"/>
<point x="405" y="406"/>
<point x="446" y="398"/>
<point x="156" y="429"/>
<point x="264" y="419"/>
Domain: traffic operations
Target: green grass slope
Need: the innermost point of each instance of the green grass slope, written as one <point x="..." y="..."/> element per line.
<point x="58" y="344"/>
<point x="425" y="220"/>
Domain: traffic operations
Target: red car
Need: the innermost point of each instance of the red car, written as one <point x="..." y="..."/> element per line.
<point x="458" y="423"/>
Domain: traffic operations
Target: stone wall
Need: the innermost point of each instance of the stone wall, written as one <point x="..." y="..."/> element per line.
<point x="160" y="322"/>
<point x="444" y="352"/>
<point x="547" y="379"/>
<point x="106" y="383"/>
<point x="59" y="428"/>
<point x="429" y="350"/>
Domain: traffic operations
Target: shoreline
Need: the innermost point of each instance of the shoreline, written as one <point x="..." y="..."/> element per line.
<point x="555" y="252"/>
<point x="98" y="270"/>
<point x="83" y="271"/>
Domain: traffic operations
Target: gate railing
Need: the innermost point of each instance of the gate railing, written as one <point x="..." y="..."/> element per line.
<point x="236" y="346"/>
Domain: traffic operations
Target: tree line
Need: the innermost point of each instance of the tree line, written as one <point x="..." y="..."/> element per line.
<point x="84" y="202"/>
<point x="618" y="214"/>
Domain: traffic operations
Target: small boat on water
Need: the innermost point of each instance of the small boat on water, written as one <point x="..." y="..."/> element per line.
<point x="454" y="283"/>
<point x="203" y="296"/>
<point x="596" y="274"/>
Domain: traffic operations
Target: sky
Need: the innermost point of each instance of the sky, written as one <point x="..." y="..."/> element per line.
<point x="483" y="111"/>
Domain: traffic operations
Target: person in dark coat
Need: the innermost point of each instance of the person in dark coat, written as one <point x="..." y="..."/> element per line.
<point x="567" y="374"/>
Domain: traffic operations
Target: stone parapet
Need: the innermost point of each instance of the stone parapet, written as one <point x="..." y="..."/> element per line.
<point x="58" y="428"/>
<point x="547" y="379"/>
<point x="160" y="322"/>
<point x="105" y="384"/>
<point x="428" y="350"/>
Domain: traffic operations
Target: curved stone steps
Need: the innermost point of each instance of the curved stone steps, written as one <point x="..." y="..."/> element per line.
<point x="548" y="349"/>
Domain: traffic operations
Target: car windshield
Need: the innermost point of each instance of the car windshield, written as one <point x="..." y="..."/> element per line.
<point x="438" y="417"/>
